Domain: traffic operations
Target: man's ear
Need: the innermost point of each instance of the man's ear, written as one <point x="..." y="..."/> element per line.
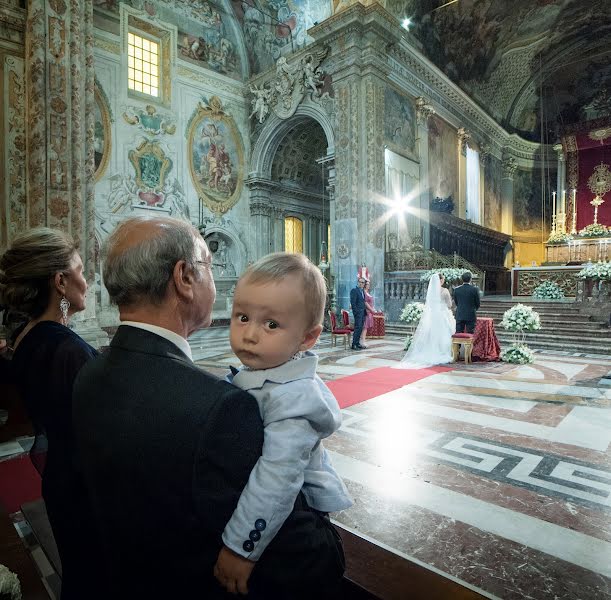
<point x="183" y="278"/>
<point x="310" y="338"/>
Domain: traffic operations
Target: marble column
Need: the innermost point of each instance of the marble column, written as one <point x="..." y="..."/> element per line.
<point x="59" y="133"/>
<point x="509" y="168"/>
<point x="261" y="239"/>
<point x="423" y="112"/>
<point x="358" y="38"/>
<point x="277" y="242"/>
<point x="463" y="138"/>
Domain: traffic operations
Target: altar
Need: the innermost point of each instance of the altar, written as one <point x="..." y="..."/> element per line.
<point x="578" y="251"/>
<point x="524" y="280"/>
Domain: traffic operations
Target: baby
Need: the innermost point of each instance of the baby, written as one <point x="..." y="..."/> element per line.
<point x="277" y="316"/>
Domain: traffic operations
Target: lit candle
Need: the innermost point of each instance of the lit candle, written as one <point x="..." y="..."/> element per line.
<point x="563" y="205"/>
<point x="554" y="204"/>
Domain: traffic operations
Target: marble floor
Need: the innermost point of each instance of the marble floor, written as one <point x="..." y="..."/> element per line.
<point x="496" y="475"/>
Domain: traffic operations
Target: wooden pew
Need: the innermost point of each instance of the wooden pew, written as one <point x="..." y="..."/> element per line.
<point x="387" y="576"/>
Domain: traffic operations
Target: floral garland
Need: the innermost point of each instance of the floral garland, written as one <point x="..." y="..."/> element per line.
<point x="600" y="271"/>
<point x="519" y="354"/>
<point x="548" y="290"/>
<point x="594" y="230"/>
<point x="450" y="274"/>
<point x="412" y="313"/>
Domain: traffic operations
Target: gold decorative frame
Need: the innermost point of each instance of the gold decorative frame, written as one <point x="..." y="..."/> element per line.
<point x="214" y="111"/>
<point x="102" y="104"/>
<point x="148" y="147"/>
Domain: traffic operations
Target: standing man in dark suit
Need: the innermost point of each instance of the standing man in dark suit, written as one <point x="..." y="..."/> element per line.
<point x="167" y="448"/>
<point x="357" y="302"/>
<point x="466" y="298"/>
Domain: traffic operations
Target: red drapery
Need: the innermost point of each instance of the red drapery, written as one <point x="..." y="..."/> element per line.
<point x="585" y="150"/>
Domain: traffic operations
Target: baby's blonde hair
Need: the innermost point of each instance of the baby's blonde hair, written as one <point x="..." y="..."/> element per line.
<point x="277" y="266"/>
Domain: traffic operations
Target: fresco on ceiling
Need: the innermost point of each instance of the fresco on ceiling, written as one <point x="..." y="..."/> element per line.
<point x="399" y="123"/>
<point x="492" y="193"/>
<point x="205" y="35"/>
<point x="527" y="201"/>
<point x="471" y="39"/>
<point x="443" y="159"/>
<point x="568" y="97"/>
<point x="271" y="25"/>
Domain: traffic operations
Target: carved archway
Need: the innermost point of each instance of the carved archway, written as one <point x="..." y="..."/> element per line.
<point x="274" y="131"/>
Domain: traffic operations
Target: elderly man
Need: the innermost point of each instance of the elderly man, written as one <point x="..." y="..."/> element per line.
<point x="166" y="448"/>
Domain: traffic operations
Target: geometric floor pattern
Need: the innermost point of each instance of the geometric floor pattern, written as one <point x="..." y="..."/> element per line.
<point x="495" y="475"/>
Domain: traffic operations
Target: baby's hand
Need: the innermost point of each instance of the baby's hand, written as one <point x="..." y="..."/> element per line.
<point x="233" y="571"/>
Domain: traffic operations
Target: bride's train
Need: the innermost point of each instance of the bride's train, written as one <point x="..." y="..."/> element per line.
<point x="432" y="342"/>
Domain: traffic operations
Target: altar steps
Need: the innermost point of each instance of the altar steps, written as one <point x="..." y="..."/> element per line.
<point x="564" y="327"/>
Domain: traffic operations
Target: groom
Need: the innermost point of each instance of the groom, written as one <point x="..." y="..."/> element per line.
<point x="466" y="298"/>
<point x="357" y="302"/>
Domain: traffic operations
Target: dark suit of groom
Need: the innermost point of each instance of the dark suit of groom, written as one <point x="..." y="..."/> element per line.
<point x="466" y="298"/>
<point x="357" y="302"/>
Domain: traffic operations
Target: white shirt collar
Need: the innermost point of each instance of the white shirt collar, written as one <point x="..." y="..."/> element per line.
<point x="176" y="339"/>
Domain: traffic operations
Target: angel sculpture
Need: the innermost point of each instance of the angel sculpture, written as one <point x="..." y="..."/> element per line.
<point x="260" y="102"/>
<point x="312" y="78"/>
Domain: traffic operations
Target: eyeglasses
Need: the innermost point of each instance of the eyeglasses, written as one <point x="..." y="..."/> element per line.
<point x="208" y="263"/>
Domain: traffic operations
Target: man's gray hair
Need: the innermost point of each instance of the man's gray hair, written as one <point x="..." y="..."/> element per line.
<point x="141" y="272"/>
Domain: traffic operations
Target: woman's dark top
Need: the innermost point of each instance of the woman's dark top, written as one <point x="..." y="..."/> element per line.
<point x="45" y="365"/>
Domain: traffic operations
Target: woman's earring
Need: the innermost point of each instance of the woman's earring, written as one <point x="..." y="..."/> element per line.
<point x="64" y="305"/>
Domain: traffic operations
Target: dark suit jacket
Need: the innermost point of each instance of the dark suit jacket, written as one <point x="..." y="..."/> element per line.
<point x="357" y="301"/>
<point x="466" y="297"/>
<point x="166" y="450"/>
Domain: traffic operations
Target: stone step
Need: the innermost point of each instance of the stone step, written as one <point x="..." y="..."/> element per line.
<point x="560" y="340"/>
<point x="595" y="330"/>
<point x="542" y="316"/>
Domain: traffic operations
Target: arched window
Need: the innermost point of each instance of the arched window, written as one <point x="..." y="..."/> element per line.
<point x="293" y="234"/>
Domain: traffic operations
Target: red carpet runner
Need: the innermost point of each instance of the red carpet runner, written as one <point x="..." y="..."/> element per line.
<point x="369" y="384"/>
<point x="19" y="483"/>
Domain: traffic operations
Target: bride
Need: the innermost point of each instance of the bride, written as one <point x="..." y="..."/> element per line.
<point x="432" y="342"/>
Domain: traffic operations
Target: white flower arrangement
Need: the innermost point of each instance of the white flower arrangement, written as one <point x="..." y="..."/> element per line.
<point x="521" y="318"/>
<point x="411" y="313"/>
<point x="9" y="584"/>
<point x="594" y="230"/>
<point x="517" y="353"/>
<point x="449" y="273"/>
<point x="559" y="238"/>
<point x="600" y="271"/>
<point x="548" y="290"/>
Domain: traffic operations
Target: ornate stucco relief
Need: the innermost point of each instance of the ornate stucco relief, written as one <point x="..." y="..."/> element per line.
<point x="14" y="130"/>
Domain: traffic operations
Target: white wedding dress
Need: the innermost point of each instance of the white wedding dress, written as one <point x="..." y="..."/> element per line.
<point x="432" y="342"/>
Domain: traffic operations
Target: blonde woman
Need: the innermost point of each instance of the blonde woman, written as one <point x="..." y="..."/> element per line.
<point x="41" y="275"/>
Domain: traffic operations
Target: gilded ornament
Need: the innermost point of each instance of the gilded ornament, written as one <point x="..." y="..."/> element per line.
<point x="102" y="133"/>
<point x="600" y="180"/>
<point x="599" y="135"/>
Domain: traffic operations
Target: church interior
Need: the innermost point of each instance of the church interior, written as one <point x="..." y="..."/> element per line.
<point x="385" y="139"/>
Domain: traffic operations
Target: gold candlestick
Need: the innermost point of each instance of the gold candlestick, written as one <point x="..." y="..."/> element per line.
<point x="596" y="203"/>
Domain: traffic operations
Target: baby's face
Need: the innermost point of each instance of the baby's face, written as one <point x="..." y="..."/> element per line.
<point x="268" y="322"/>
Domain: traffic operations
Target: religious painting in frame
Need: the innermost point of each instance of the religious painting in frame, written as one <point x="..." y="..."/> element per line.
<point x="101" y="136"/>
<point x="215" y="155"/>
